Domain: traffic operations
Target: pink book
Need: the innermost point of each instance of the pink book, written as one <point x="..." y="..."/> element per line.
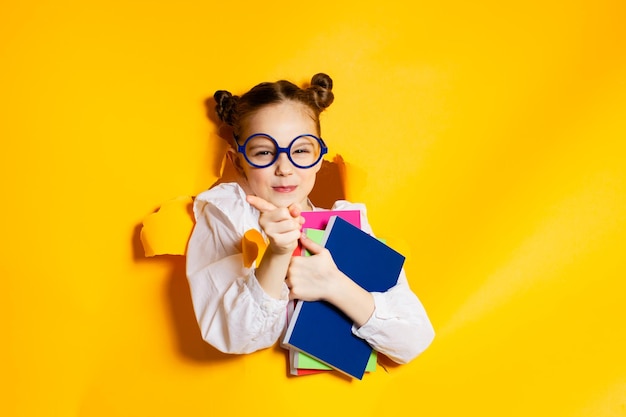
<point x="319" y="219"/>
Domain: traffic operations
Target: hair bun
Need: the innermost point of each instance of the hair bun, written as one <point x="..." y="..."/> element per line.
<point x="322" y="80"/>
<point x="225" y="106"/>
<point x="321" y="90"/>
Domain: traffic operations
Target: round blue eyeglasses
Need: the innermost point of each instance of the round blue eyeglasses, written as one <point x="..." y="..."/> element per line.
<point x="261" y="150"/>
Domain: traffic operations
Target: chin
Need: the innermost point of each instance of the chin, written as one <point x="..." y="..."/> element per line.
<point x="284" y="200"/>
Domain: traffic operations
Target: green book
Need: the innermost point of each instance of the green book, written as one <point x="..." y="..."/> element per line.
<point x="304" y="361"/>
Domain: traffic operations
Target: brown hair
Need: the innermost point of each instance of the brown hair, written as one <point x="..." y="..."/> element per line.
<point x="233" y="110"/>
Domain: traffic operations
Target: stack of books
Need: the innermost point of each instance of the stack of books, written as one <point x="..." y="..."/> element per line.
<point x="319" y="336"/>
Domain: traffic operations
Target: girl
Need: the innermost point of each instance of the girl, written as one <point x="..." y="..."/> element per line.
<point x="278" y="151"/>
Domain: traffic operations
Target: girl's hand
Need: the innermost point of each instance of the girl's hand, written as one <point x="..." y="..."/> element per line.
<point x="315" y="277"/>
<point x="281" y="224"/>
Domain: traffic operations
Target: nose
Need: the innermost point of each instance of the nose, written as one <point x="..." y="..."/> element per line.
<point x="283" y="165"/>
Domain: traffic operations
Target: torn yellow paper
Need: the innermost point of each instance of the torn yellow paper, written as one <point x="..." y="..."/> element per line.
<point x="253" y="247"/>
<point x="167" y="231"/>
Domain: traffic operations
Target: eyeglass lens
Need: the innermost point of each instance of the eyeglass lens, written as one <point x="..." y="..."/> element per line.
<point x="303" y="152"/>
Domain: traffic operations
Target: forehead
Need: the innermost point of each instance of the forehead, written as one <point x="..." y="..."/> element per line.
<point x="283" y="121"/>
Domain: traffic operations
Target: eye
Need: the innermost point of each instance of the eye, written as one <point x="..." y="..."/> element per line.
<point x="261" y="152"/>
<point x="303" y="146"/>
<point x="260" y="147"/>
<point x="303" y="149"/>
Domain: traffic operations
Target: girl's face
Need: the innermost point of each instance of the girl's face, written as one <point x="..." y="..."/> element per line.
<point x="281" y="183"/>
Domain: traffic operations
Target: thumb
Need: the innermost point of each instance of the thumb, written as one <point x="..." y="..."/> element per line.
<point x="260" y="204"/>
<point x="311" y="246"/>
<point x="295" y="209"/>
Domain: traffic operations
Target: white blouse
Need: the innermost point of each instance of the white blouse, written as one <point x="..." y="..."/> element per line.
<point x="234" y="313"/>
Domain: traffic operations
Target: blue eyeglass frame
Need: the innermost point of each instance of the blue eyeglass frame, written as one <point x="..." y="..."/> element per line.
<point x="242" y="149"/>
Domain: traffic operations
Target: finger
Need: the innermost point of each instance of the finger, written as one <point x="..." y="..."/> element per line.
<point x="310" y="245"/>
<point x="260" y="204"/>
<point x="279" y="220"/>
<point x="295" y="209"/>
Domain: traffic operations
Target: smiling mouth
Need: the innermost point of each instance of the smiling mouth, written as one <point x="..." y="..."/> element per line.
<point x="284" y="189"/>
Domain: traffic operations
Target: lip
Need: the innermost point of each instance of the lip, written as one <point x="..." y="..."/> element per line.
<point x="284" y="188"/>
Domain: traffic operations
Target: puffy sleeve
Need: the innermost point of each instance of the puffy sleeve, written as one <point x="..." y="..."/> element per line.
<point x="233" y="312"/>
<point x="399" y="328"/>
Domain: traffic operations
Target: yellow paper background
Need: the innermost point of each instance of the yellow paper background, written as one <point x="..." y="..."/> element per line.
<point x="487" y="139"/>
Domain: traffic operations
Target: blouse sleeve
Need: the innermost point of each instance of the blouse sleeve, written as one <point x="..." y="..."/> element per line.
<point x="399" y="328"/>
<point x="233" y="312"/>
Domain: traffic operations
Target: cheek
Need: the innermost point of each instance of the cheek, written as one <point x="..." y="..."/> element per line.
<point x="308" y="177"/>
<point x="257" y="177"/>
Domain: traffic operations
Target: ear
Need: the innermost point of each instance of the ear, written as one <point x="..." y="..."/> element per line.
<point x="235" y="160"/>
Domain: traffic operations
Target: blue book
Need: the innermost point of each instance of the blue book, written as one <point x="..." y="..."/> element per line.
<point x="321" y="330"/>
